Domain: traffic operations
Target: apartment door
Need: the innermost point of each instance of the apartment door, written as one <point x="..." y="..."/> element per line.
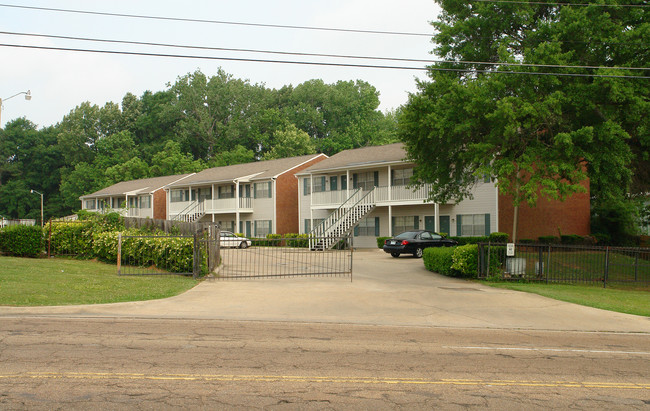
<point x="429" y="222"/>
<point x="445" y="225"/>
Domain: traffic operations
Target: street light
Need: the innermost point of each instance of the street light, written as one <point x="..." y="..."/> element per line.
<point x="34" y="191"/>
<point x="28" y="96"/>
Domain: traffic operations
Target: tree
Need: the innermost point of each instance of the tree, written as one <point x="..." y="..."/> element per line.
<point x="534" y="133"/>
<point x="291" y="142"/>
<point x="170" y="161"/>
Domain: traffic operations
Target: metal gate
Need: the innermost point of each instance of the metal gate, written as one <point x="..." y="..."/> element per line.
<point x="285" y="257"/>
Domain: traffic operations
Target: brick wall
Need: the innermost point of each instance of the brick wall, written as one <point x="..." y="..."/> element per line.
<point x="549" y="217"/>
<point x="160" y="204"/>
<point x="287" y="199"/>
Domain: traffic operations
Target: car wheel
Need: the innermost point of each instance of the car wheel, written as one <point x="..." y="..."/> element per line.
<point x="394" y="254"/>
<point x="418" y="253"/>
<point x="243" y="244"/>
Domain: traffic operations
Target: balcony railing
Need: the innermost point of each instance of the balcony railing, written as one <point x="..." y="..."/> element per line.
<point x="384" y="194"/>
<point x="217" y="205"/>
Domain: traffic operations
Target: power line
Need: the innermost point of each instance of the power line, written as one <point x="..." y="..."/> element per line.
<point x="233" y="23"/>
<point x="533" y="3"/>
<point x="313" y="63"/>
<point x="139" y="43"/>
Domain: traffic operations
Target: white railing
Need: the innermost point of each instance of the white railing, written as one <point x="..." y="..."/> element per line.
<point x="328" y="197"/>
<point x="246" y="203"/>
<point x="383" y="194"/>
<point x="192" y="212"/>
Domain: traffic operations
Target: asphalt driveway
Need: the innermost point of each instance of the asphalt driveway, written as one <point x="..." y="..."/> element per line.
<point x="383" y="291"/>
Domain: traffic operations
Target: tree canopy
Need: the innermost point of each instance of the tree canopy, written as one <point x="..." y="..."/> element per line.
<point x="539" y="96"/>
<point x="199" y="121"/>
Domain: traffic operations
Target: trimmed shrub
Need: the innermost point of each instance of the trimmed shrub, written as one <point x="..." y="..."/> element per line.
<point x="72" y="238"/>
<point x="497" y="237"/>
<point x="381" y="240"/>
<point x="439" y="260"/>
<point x="297" y="240"/>
<point x="471" y="240"/>
<point x="548" y="239"/>
<point x="465" y="260"/>
<point x="22" y="240"/>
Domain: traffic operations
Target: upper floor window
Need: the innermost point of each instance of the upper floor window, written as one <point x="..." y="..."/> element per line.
<point x="89" y="204"/>
<point x="401" y="177"/>
<point x="263" y="190"/>
<point x="226" y="191"/>
<point x="306" y="186"/>
<point x="178" y="196"/>
<point x="320" y="184"/>
<point x="365" y="181"/>
<point x="145" y="202"/>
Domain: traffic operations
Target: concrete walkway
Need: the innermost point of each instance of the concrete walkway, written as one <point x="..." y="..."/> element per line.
<point x="384" y="291"/>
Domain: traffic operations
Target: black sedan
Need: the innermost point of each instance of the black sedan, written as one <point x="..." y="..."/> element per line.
<point x="414" y="242"/>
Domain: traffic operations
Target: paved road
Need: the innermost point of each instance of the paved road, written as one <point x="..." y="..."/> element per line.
<point x="100" y="363"/>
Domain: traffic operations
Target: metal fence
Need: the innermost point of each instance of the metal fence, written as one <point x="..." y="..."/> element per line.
<point x="553" y="263"/>
<point x="285" y="257"/>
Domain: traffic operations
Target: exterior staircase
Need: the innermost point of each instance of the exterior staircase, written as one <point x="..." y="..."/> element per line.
<point x="193" y="212"/>
<point x="341" y="222"/>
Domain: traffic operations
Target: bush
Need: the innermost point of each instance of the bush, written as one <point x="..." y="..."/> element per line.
<point x="497" y="237"/>
<point x="548" y="239"/>
<point x="381" y="240"/>
<point x="465" y="260"/>
<point x="471" y="240"/>
<point x="439" y="260"/>
<point x="22" y="240"/>
<point x="72" y="238"/>
<point x="297" y="240"/>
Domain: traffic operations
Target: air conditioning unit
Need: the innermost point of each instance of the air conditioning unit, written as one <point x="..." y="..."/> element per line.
<point x="516" y="266"/>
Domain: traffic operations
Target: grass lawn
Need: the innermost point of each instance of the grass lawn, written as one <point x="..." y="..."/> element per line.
<point x="59" y="281"/>
<point x="622" y="300"/>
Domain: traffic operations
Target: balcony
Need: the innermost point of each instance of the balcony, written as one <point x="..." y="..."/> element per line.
<point x="385" y="195"/>
<point x="217" y="206"/>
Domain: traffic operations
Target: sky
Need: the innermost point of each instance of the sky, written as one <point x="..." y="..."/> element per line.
<point x="61" y="80"/>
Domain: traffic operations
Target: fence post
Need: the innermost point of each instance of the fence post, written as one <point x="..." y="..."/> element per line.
<point x="49" y="241"/>
<point x="606" y="267"/>
<point x="548" y="263"/>
<point x="636" y="266"/>
<point x="119" y="253"/>
<point x="196" y="266"/>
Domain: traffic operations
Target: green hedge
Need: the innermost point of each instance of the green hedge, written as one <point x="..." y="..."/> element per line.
<point x="72" y="237"/>
<point x="172" y="254"/>
<point x="381" y="240"/>
<point x="22" y="240"/>
<point x="465" y="260"/>
<point x="439" y="260"/>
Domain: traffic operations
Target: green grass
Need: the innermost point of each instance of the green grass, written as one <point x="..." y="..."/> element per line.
<point x="629" y="301"/>
<point x="58" y="281"/>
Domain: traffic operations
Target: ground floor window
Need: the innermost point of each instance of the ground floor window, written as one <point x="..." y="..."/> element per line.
<point x="405" y="223"/>
<point x="262" y="228"/>
<point x="472" y="225"/>
<point x="227" y="225"/>
<point x="368" y="227"/>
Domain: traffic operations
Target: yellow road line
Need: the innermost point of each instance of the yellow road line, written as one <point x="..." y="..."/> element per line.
<point x="321" y="379"/>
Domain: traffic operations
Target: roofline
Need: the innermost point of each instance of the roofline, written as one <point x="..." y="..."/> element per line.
<point x="353" y="166"/>
<point x="298" y="165"/>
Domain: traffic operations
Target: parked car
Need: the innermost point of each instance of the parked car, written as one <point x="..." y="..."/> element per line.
<point x="229" y="239"/>
<point x="414" y="242"/>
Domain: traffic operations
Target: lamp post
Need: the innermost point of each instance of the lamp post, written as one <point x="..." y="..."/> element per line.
<point x="28" y="96"/>
<point x="34" y="191"/>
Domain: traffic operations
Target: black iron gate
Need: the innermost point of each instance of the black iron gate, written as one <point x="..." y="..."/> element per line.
<point x="285" y="257"/>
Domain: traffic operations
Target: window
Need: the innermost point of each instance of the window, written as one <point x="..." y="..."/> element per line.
<point x="319" y="184"/>
<point x="306" y="186"/>
<point x="145" y="202"/>
<point x="402" y="177"/>
<point x="365" y="181"/>
<point x="262" y="228"/>
<point x="226" y="191"/>
<point x="118" y="202"/>
<point x="227" y="225"/>
<point x="89" y="204"/>
<point x="344" y="182"/>
<point x="263" y="190"/>
<point x="133" y="202"/>
<point x="178" y="196"/>
<point x="245" y="191"/>
<point x="205" y="194"/>
<point x="368" y="227"/>
<point x="405" y="223"/>
<point x="473" y="224"/>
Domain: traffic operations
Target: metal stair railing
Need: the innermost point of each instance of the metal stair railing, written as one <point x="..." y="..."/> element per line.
<point x="327" y="233"/>
<point x="191" y="213"/>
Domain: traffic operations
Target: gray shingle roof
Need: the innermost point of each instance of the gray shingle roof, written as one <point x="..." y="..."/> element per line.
<point x="361" y="157"/>
<point x="257" y="170"/>
<point x="145" y="185"/>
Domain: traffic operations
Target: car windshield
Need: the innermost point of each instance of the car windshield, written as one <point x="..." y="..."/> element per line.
<point x="227" y="234"/>
<point x="407" y="235"/>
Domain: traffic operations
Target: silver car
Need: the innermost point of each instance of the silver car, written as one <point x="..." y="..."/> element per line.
<point x="229" y="239"/>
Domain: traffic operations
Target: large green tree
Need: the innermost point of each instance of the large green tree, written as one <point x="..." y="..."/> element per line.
<point x="505" y="104"/>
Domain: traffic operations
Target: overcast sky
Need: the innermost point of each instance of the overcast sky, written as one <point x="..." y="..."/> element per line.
<point x="61" y="80"/>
